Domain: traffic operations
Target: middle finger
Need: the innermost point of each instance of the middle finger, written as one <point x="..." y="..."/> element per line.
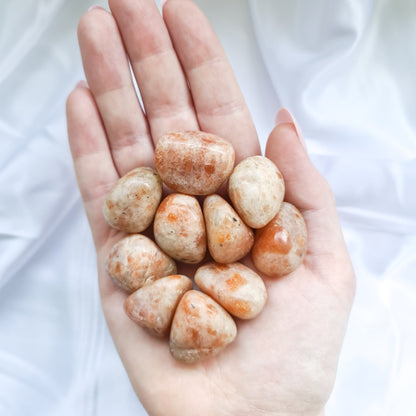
<point x="162" y="84"/>
<point x="219" y="103"/>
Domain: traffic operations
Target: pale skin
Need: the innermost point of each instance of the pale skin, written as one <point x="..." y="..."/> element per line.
<point x="283" y="362"/>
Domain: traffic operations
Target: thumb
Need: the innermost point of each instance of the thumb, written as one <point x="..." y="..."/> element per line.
<point x="308" y="190"/>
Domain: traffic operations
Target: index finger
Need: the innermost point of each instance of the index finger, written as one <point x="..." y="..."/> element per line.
<point x="219" y="103"/>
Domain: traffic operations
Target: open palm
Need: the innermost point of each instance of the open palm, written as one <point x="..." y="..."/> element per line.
<point x="284" y="361"/>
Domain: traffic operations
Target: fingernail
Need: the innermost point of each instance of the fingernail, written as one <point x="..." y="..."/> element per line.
<point x="96" y="6"/>
<point x="285" y="116"/>
<point x="82" y="84"/>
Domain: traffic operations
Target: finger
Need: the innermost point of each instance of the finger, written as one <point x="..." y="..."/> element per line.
<point x="96" y="174"/>
<point x="163" y="87"/>
<point x="219" y="103"/>
<point x="107" y="70"/>
<point x="305" y="186"/>
<point x="93" y="164"/>
<point x="307" y="189"/>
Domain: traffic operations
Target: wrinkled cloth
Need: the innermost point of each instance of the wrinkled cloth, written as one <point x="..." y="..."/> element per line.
<point x="344" y="68"/>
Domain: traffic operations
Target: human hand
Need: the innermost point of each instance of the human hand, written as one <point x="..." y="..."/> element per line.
<point x="284" y="361"/>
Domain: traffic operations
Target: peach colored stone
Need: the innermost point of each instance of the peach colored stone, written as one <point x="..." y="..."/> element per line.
<point x="153" y="306"/>
<point x="229" y="239"/>
<point x="237" y="288"/>
<point x="194" y="162"/>
<point x="200" y="328"/>
<point x="179" y="228"/>
<point x="279" y="247"/>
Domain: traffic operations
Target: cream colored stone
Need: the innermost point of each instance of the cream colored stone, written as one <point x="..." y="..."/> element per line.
<point x="256" y="188"/>
<point x="136" y="260"/>
<point x="132" y="202"/>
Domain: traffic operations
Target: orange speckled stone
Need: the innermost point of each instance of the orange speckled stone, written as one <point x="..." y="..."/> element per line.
<point x="153" y="306"/>
<point x="200" y="328"/>
<point x="236" y="287"/>
<point x="229" y="239"/>
<point x="280" y="246"/>
<point x="179" y="228"/>
<point x="132" y="202"/>
<point x="194" y="162"/>
<point x="136" y="260"/>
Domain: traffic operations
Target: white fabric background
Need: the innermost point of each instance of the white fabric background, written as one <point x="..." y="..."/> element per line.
<point x="345" y="70"/>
